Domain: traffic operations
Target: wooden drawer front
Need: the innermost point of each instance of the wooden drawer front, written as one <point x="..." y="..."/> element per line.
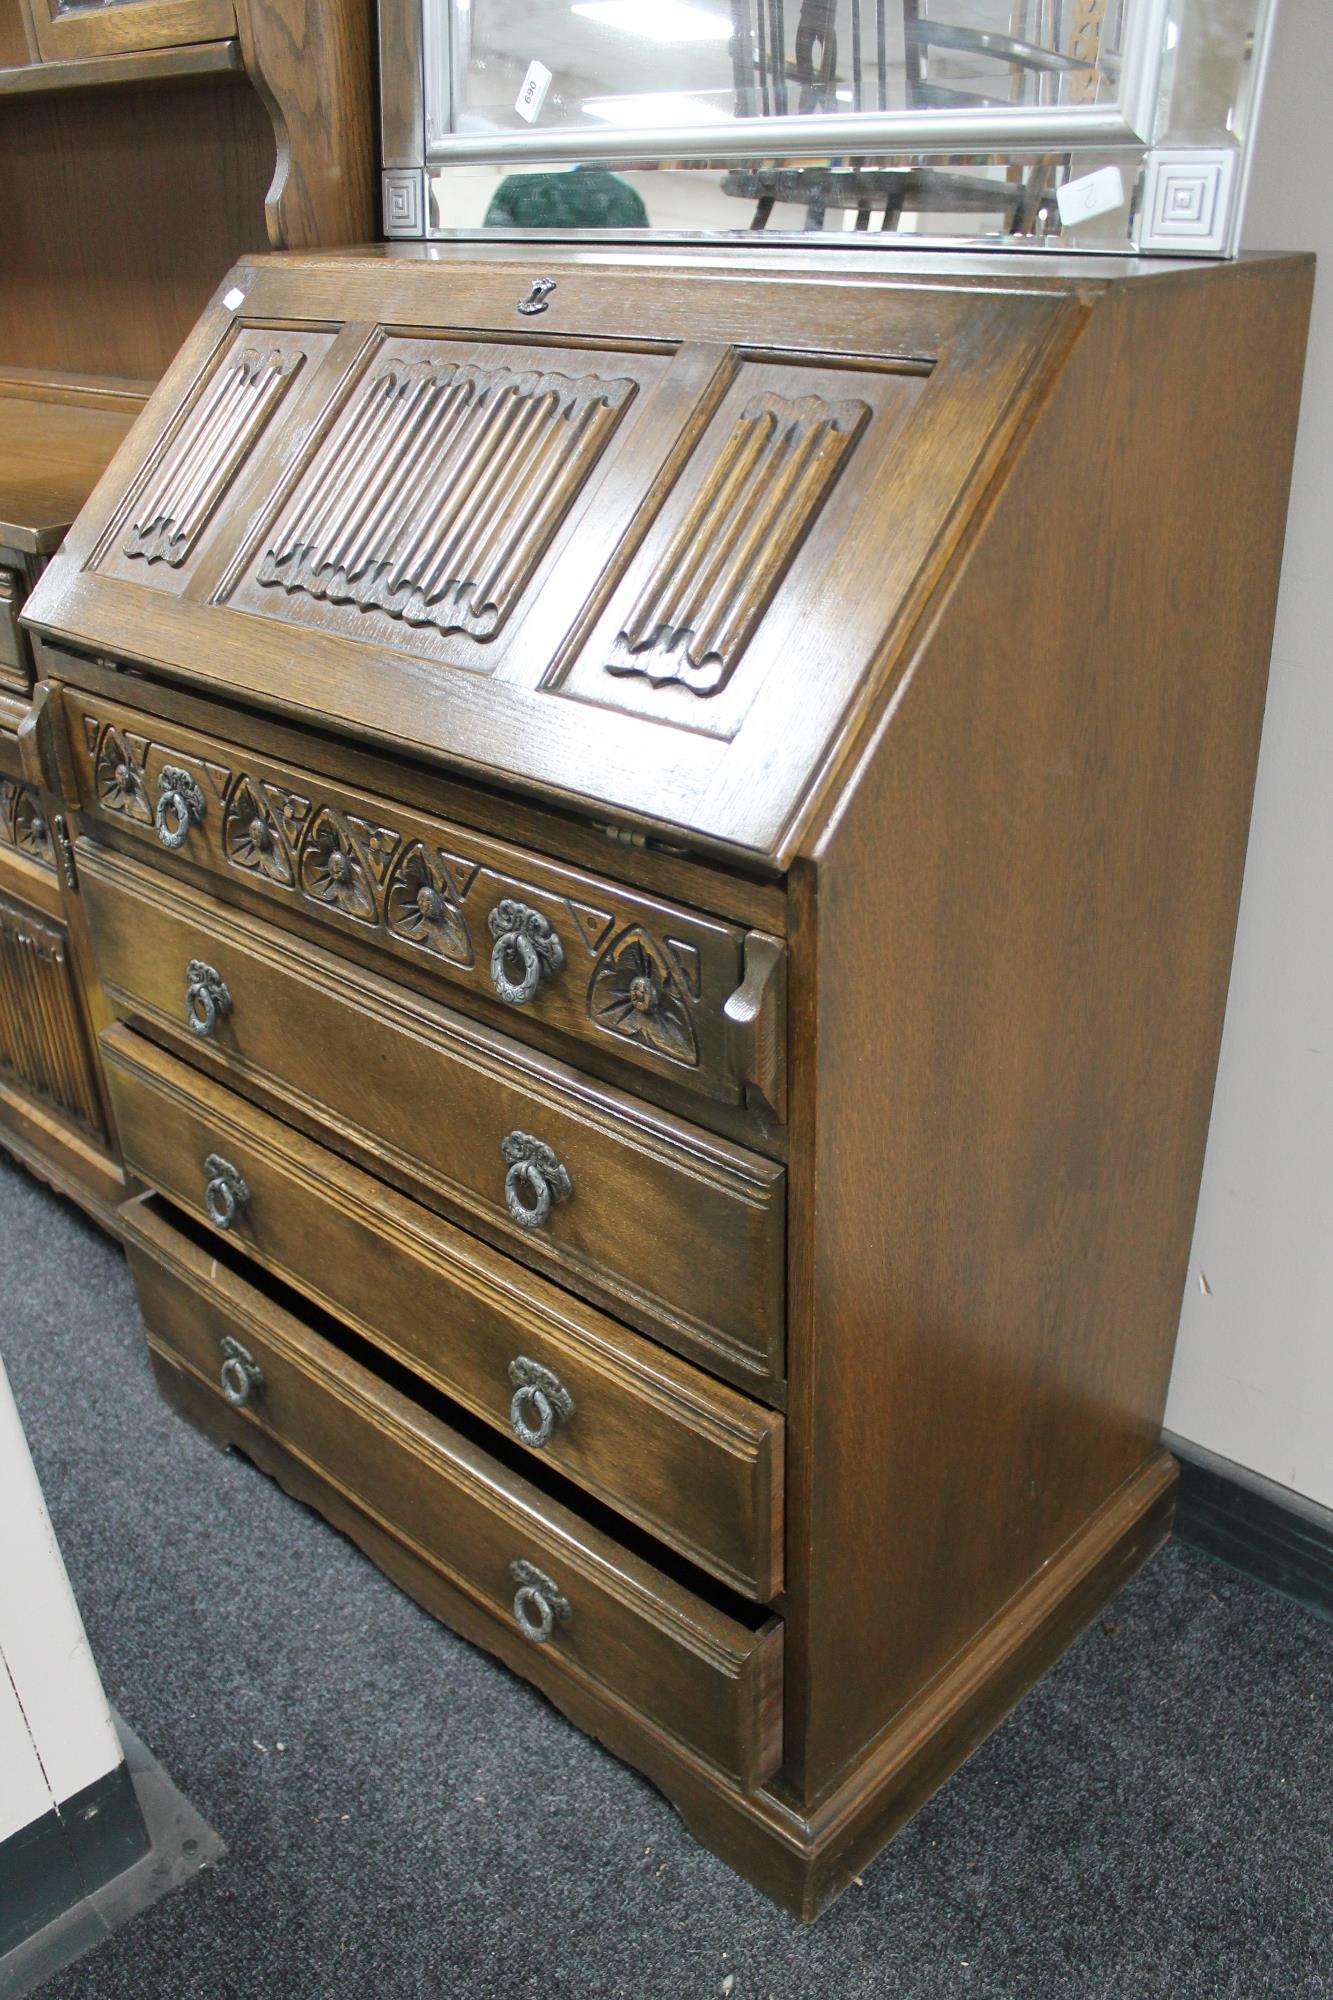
<point x="698" y="1671"/>
<point x="679" y="1232"/>
<point x="688" y="1459"/>
<point x="679" y="994"/>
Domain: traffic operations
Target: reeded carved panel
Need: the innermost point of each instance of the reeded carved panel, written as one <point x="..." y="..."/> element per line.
<point x="184" y="487"/>
<point x="436" y="492"/>
<point x="697" y="612"/>
<point x="43" y="1048"/>
<point x="23" y="824"/>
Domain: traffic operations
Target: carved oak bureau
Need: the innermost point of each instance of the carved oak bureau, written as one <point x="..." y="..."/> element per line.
<point x="665" y="846"/>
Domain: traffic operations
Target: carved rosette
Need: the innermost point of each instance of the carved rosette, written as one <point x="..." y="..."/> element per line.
<point x="701" y="605"/>
<point x="23" y="824"/>
<point x="636" y="993"/>
<point x="118" y="774"/>
<point x="253" y="835"/>
<point x="333" y="872"/>
<point x="420" y="906"/>
<point x="438" y="489"/>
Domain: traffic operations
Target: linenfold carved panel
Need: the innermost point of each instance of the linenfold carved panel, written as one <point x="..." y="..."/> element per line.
<point x="43" y="1047"/>
<point x="699" y="608"/>
<point x="179" y="496"/>
<point x="435" y="494"/>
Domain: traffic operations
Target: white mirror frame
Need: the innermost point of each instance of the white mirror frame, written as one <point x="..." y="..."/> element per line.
<point x="1129" y="121"/>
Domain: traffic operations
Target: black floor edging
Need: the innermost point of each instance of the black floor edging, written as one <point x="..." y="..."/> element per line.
<point x="67" y="1855"/>
<point x="1254" y="1525"/>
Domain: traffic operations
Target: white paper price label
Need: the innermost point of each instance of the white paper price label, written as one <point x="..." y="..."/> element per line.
<point x="1089" y="195"/>
<point x="533" y="94"/>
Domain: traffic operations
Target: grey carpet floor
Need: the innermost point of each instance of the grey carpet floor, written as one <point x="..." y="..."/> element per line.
<point x="405" y="1818"/>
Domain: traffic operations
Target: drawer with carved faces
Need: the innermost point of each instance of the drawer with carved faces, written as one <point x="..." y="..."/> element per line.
<point x="696" y="1001"/>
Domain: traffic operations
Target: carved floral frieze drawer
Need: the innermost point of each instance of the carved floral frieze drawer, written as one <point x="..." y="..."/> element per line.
<point x="662" y="987"/>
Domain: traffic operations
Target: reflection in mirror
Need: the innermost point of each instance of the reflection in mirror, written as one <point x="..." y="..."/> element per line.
<point x="692" y="64"/>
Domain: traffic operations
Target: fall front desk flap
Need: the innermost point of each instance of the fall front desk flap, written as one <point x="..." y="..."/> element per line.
<point x="651" y="548"/>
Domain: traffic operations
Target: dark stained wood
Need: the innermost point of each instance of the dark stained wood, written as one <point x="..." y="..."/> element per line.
<point x="1004" y="808"/>
<point x="51" y="456"/>
<point x="709" y="1020"/>
<point x="676" y="1231"/>
<point x="542" y="699"/>
<point x="1009" y="1037"/>
<point x="803" y="1861"/>
<point x="146" y="147"/>
<point x="704" y="1676"/>
<point x="313" y="65"/>
<point x="65" y="33"/>
<point x="666" y="872"/>
<point x="54" y="1114"/>
<point x="119" y="72"/>
<point x="693" y="1462"/>
<point x="114" y="245"/>
<point x="125" y="205"/>
<point x="18" y="44"/>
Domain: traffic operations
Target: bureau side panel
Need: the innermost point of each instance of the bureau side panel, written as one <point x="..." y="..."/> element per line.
<point x="1011" y="957"/>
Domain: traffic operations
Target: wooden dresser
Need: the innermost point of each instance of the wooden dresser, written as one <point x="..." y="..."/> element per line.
<point x="664" y="846"/>
<point x="56" y="436"/>
<point x="146" y="144"/>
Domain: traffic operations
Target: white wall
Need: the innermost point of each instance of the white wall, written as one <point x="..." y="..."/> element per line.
<point x="1253" y="1378"/>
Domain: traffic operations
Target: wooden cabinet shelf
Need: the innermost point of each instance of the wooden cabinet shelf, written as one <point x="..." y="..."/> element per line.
<point x="134" y="68"/>
<point x="61" y="432"/>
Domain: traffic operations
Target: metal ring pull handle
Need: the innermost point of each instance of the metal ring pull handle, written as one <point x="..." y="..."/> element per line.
<point x="523" y="939"/>
<point x="240" y="1373"/>
<point x="207" y="1000"/>
<point x="180" y="805"/>
<point x="539" y="1604"/>
<point x="541" y="1402"/>
<point x="226" y="1193"/>
<point x="535" y="1180"/>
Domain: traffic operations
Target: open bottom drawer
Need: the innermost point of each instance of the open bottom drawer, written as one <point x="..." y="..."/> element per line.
<point x="701" y="1667"/>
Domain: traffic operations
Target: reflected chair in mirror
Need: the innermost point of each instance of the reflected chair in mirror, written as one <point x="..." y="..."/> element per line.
<point x="937" y="64"/>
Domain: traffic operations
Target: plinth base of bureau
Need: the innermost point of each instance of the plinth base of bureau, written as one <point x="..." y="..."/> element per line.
<point x="802" y="1861"/>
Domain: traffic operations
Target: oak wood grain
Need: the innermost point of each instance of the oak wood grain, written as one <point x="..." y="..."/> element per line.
<point x="689" y="1460"/>
<point x="676" y="1231"/>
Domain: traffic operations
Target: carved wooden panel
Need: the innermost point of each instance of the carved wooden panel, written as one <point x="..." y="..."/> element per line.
<point x="745" y="544"/>
<point x="23" y="823"/>
<point x="696" y="613"/>
<point x="43" y="1048"/>
<point x="438" y="489"/>
<point x="199" y="464"/>
<point x="659" y="983"/>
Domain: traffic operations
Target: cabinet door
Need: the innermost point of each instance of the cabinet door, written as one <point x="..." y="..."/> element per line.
<point x="69" y="29"/>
